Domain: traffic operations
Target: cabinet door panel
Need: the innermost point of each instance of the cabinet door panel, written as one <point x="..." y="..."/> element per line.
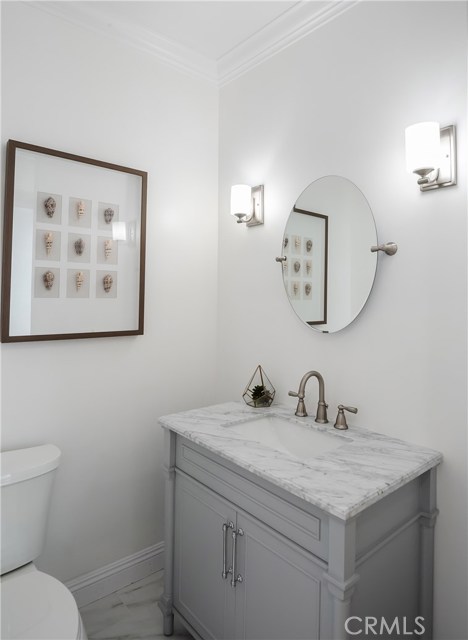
<point x="201" y="595"/>
<point x="279" y="597"/>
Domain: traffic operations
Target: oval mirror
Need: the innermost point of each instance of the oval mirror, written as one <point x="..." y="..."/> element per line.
<point x="328" y="266"/>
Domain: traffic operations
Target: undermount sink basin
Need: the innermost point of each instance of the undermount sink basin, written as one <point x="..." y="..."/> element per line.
<point x="288" y="436"/>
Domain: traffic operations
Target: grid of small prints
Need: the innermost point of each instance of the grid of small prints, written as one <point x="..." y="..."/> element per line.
<point x="75" y="255"/>
<point x="297" y="268"/>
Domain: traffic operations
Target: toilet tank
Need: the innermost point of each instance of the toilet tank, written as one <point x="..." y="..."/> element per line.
<point x="26" y="482"/>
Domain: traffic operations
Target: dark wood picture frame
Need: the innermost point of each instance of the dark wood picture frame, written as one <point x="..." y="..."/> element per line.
<point x="85" y="186"/>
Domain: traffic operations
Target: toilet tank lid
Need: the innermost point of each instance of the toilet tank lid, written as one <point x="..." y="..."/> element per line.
<point x="22" y="464"/>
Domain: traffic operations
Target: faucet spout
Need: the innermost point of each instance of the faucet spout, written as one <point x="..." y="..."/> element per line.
<point x="321" y="416"/>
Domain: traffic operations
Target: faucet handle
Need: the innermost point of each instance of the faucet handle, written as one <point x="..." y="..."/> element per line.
<point x="300" y="410"/>
<point x="340" y="422"/>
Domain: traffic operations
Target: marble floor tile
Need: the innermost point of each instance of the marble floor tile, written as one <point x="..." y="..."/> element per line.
<point x="132" y="613"/>
<point x="132" y="629"/>
<point x="152" y="586"/>
<point x="103" y="613"/>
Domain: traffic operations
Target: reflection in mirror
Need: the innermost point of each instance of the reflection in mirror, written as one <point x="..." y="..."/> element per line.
<point x="328" y="266"/>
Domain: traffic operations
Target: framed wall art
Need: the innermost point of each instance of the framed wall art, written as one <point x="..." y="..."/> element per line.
<point x="73" y="246"/>
<point x="305" y="270"/>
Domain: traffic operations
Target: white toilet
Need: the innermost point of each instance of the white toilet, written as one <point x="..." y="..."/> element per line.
<point x="34" y="605"/>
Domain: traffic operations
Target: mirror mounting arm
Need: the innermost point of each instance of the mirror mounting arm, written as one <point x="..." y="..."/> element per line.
<point x="390" y="248"/>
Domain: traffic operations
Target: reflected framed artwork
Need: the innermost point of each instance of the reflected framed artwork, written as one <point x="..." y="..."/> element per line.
<point x="306" y="277"/>
<point x="73" y="246"/>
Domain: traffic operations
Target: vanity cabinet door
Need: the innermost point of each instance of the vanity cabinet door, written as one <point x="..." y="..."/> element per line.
<point x="201" y="594"/>
<point x="280" y="595"/>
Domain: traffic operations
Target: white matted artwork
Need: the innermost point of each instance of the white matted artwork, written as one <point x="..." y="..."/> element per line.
<point x="48" y="207"/>
<point x="307" y="291"/>
<point x="305" y="279"/>
<point x="295" y="290"/>
<point x="79" y="247"/>
<point x="78" y="283"/>
<point x="54" y="259"/>
<point x="80" y="212"/>
<point x="48" y="244"/>
<point x="296" y="244"/>
<point x="106" y="284"/>
<point x="107" y="250"/>
<point x="46" y="282"/>
<point x="108" y="212"/>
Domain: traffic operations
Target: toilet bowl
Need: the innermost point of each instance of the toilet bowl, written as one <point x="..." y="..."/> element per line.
<point x="34" y="605"/>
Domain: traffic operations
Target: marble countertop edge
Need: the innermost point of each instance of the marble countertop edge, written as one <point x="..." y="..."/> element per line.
<point x="343" y="482"/>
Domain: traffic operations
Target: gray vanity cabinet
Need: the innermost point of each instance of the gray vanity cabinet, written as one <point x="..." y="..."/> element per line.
<point x="294" y="571"/>
<point x="276" y="594"/>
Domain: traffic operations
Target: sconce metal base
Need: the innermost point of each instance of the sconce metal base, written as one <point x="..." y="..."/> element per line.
<point x="257" y="207"/>
<point x="447" y="174"/>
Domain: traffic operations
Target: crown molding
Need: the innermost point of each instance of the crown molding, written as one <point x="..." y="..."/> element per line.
<point x="294" y="24"/>
<point x="84" y="15"/>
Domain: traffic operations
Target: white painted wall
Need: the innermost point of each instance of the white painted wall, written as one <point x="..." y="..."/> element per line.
<point x="70" y="89"/>
<point x="337" y="102"/>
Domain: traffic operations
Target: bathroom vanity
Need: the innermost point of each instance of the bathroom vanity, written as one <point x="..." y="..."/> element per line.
<point x="281" y="529"/>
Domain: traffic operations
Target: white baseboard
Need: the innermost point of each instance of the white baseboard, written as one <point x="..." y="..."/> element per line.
<point x="115" y="576"/>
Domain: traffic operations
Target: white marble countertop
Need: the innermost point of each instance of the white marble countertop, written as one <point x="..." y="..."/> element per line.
<point x="342" y="482"/>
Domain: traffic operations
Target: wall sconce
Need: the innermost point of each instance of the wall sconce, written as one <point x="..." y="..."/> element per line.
<point x="247" y="204"/>
<point x="431" y="154"/>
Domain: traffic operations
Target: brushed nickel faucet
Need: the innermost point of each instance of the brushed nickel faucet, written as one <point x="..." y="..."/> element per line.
<point x="321" y="416"/>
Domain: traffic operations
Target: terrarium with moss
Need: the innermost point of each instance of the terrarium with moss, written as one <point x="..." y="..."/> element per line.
<point x="259" y="392"/>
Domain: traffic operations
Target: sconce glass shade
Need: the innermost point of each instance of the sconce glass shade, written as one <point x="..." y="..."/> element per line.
<point x="422" y="147"/>
<point x="241" y="201"/>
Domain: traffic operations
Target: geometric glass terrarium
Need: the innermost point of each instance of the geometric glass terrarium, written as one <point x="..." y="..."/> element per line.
<point x="259" y="392"/>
